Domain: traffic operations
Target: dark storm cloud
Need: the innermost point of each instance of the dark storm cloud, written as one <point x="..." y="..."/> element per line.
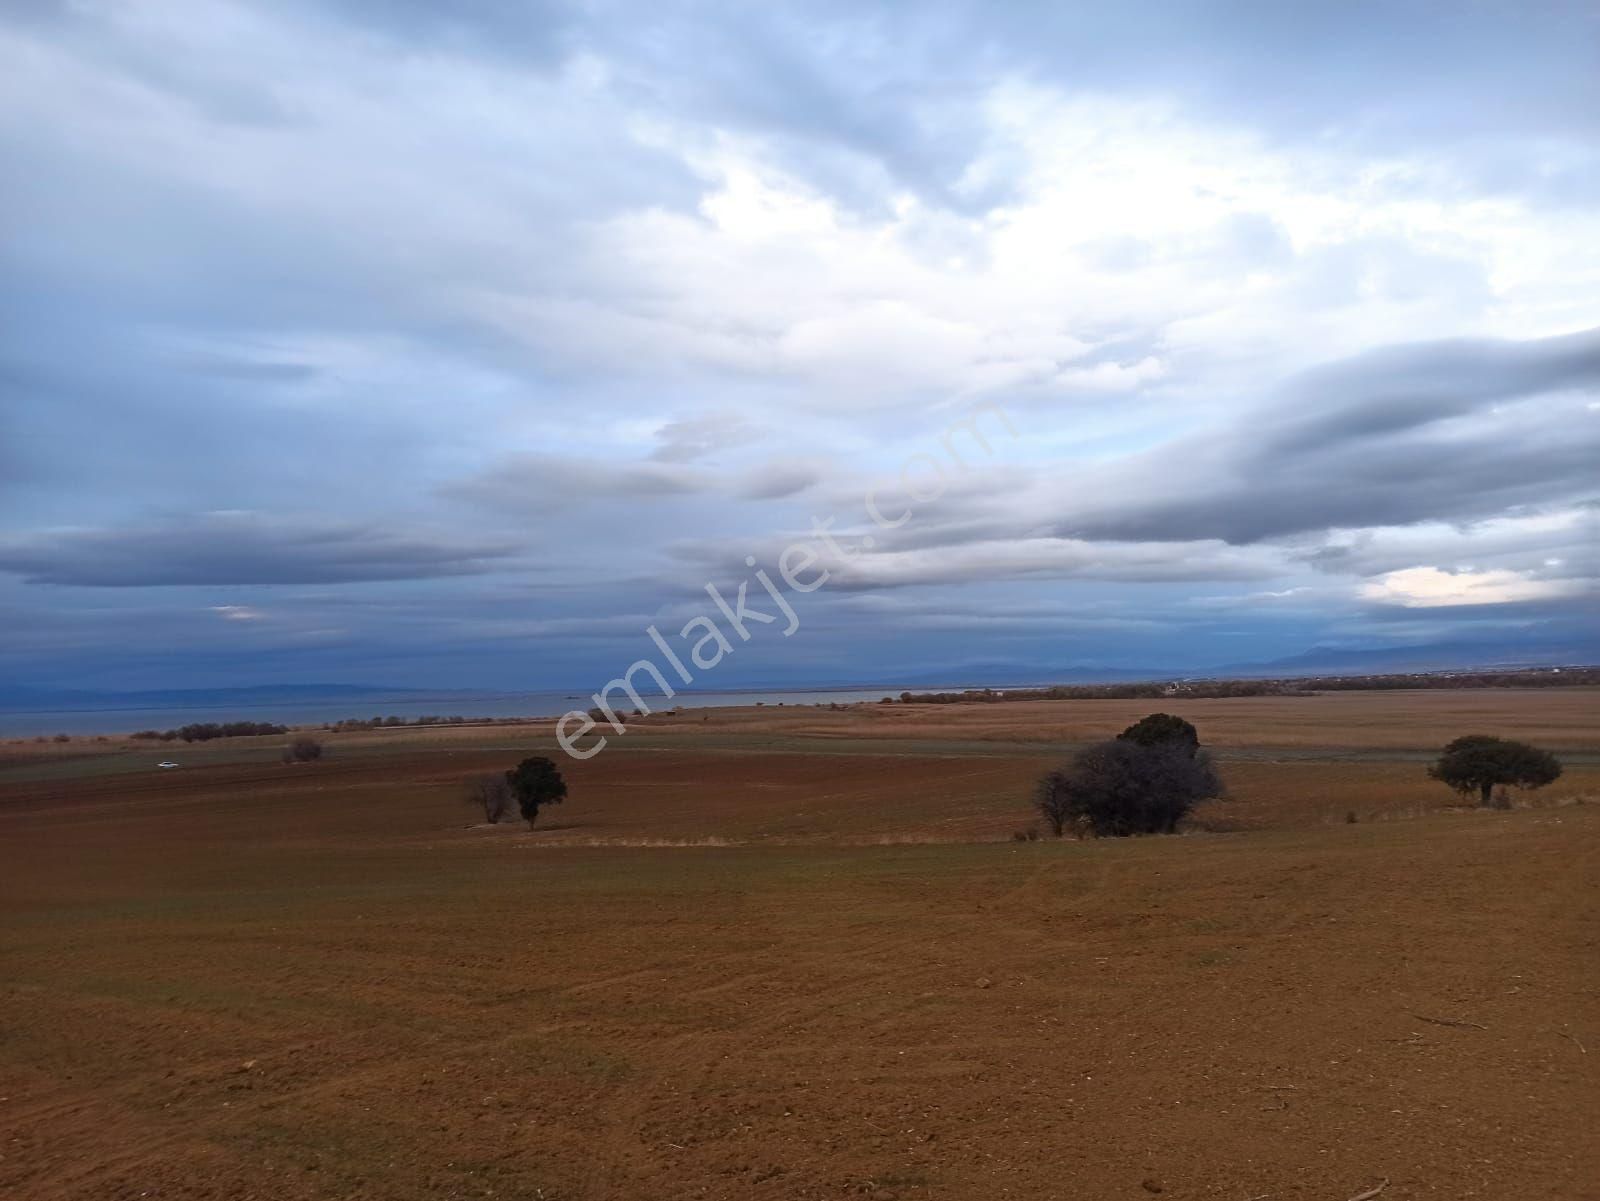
<point x="242" y="548"/>
<point x="1444" y="431"/>
<point x="1400" y="388"/>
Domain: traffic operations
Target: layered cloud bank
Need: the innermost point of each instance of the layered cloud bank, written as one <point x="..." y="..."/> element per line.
<point x="456" y="346"/>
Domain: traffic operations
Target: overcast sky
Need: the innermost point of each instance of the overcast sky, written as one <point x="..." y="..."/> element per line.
<point x="349" y="341"/>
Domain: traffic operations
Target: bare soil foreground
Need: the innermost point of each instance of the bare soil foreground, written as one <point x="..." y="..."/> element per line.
<point x="795" y="953"/>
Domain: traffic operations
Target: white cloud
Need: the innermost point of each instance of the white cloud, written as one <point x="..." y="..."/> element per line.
<point x="1116" y="377"/>
<point x="1431" y="588"/>
<point x="238" y="613"/>
<point x="774" y="277"/>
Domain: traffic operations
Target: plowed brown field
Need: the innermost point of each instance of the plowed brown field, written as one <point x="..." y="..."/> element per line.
<point x="794" y="954"/>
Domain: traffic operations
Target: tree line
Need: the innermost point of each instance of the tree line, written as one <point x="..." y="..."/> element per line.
<point x="1200" y="690"/>
<point x="206" y="730"/>
<point x="392" y="720"/>
<point x="1567" y="677"/>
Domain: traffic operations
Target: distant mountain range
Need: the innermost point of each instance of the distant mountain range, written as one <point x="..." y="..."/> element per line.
<point x="1017" y="675"/>
<point x="1434" y="656"/>
<point x="46" y="699"/>
<point x="1320" y="660"/>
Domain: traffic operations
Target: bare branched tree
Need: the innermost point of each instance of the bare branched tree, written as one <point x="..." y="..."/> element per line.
<point x="1053" y="799"/>
<point x="492" y="794"/>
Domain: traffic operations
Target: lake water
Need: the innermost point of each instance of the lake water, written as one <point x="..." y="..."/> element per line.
<point x="21" y="724"/>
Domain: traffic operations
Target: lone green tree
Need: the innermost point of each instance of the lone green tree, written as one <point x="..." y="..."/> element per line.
<point x="1480" y="763"/>
<point x="535" y="783"/>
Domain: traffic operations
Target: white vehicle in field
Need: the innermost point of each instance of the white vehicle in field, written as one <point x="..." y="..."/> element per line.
<point x="166" y="763"/>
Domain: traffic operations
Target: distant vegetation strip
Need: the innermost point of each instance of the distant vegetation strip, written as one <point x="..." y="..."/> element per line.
<point x="1547" y="677"/>
<point x="205" y="731"/>
<point x="383" y="723"/>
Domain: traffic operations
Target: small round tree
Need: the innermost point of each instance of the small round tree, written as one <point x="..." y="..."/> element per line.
<point x="1163" y="729"/>
<point x="1479" y="763"/>
<point x="534" y="783"/>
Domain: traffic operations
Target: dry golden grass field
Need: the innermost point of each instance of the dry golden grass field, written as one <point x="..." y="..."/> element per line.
<point x="794" y="953"/>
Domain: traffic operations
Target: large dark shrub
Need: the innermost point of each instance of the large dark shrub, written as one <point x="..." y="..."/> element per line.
<point x="1163" y="729"/>
<point x="1479" y="763"/>
<point x="303" y="750"/>
<point x="1123" y="787"/>
<point x="534" y="783"/>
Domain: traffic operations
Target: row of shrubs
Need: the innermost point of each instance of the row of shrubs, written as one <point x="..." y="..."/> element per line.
<point x="380" y="723"/>
<point x="1204" y="690"/>
<point x="207" y="730"/>
<point x="1297" y="686"/>
<point x="1544" y="677"/>
<point x="392" y="720"/>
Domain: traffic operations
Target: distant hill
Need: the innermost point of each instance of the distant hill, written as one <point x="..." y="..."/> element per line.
<point x="1318" y="660"/>
<point x="48" y="699"/>
<point x="1012" y="675"/>
<point x="1435" y="656"/>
